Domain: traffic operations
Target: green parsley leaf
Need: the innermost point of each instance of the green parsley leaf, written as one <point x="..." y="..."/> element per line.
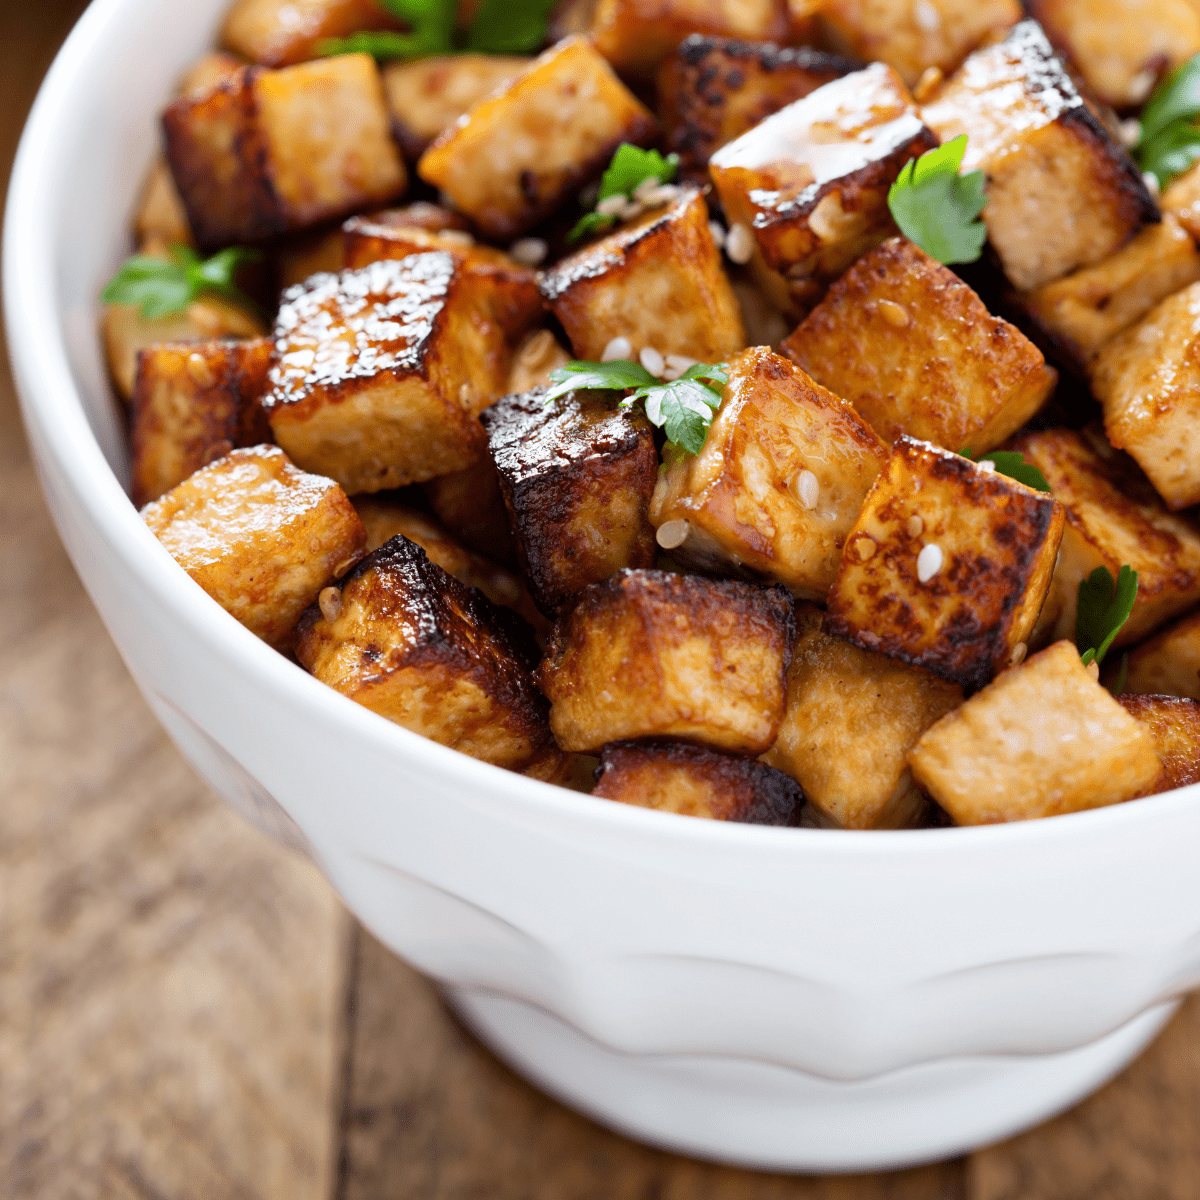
<point x="1170" y="152"/>
<point x="1118" y="688"/>
<point x="630" y="166"/>
<point x="1103" y="608"/>
<point x="1176" y="97"/>
<point x="938" y="208"/>
<point x="1012" y="463"/>
<point x="509" y="26"/>
<point x="160" y="287"/>
<point x="384" y="45"/>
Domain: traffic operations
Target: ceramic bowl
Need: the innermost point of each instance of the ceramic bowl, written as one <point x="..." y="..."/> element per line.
<point x="792" y="998"/>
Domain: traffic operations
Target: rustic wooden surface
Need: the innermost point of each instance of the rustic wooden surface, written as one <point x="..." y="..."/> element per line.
<point x="186" y="1013"/>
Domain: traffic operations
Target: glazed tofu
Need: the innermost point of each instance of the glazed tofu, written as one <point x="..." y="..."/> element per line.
<point x="192" y="404"/>
<point x="1114" y="518"/>
<point x="1044" y="739"/>
<point x="260" y="537"/>
<point x="811" y="181"/>
<point x="776" y="487"/>
<point x="207" y="71"/>
<point x="653" y="654"/>
<point x="522" y="151"/>
<point x="267" y="152"/>
<point x="576" y="475"/>
<point x="1174" y="724"/>
<point x="915" y="351"/>
<point x="693" y="781"/>
<point x="658" y="282"/>
<point x="1169" y="663"/>
<point x="379" y="374"/>
<point x="1061" y="193"/>
<point x="278" y="33"/>
<point x="1148" y="381"/>
<point x="401" y="637"/>
<point x="712" y="90"/>
<point x="946" y="566"/>
<point x="469" y="503"/>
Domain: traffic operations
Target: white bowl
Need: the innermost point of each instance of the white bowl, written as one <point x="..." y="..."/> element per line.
<point x="792" y="998"/>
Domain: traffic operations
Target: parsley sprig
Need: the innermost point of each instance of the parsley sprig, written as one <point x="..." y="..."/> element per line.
<point x="1169" y="141"/>
<point x="630" y="168"/>
<point x="682" y="407"/>
<point x="1012" y="463"/>
<point x="159" y="287"/>
<point x="1104" y="607"/>
<point x="938" y="208"/>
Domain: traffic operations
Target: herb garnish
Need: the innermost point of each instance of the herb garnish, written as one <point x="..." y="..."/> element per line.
<point x="160" y="286"/>
<point x="630" y="168"/>
<point x="938" y="208"/>
<point x="1169" y="141"/>
<point x="1104" y="607"/>
<point x="683" y="407"/>
<point x="1012" y="463"/>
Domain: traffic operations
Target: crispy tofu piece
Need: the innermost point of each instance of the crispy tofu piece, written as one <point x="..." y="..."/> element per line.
<point x="266" y="152"/>
<point x="160" y="215"/>
<point x="576" y="476"/>
<point x="1061" y="193"/>
<point x="279" y="33"/>
<point x="520" y="152"/>
<point x="427" y="96"/>
<point x="1182" y="200"/>
<point x="380" y="373"/>
<point x="777" y="486"/>
<point x="915" y="351"/>
<point x="1148" y="381"/>
<point x="405" y="639"/>
<point x="658" y="282"/>
<point x="653" y="654"/>
<point x="1113" y="518"/>
<point x="1174" y="724"/>
<point x="469" y="503"/>
<point x="811" y="181"/>
<point x="1166" y="665"/>
<point x="1043" y="739"/>
<point x="852" y="718"/>
<point x="260" y="537"/>
<point x="207" y="71"/>
<point x="946" y="566"/>
<point x="696" y="782"/>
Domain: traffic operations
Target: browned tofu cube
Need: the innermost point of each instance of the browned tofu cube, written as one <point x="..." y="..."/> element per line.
<point x="777" y="485"/>
<point x="1148" y="380"/>
<point x="469" y="503"/>
<point x="913" y="348"/>
<point x="1043" y="739"/>
<point x="405" y="639"/>
<point x="693" y="781"/>
<point x="852" y="718"/>
<point x="811" y="181"/>
<point x="380" y="374"/>
<point x="521" y="151"/>
<point x="1182" y="201"/>
<point x="576" y="475"/>
<point x="1114" y="518"/>
<point x="278" y="33"/>
<point x="266" y="152"/>
<point x="1168" y="664"/>
<point x="159" y="215"/>
<point x="946" y="566"/>
<point x="1061" y="193"/>
<point x="657" y="283"/>
<point x="207" y="71"/>
<point x="260" y="537"/>
<point x="653" y="654"/>
<point x="1174" y="724"/>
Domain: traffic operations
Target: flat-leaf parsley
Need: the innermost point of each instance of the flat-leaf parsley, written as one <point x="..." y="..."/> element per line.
<point x="938" y="208"/>
<point x="160" y="287"/>
<point x="1104" y="607"/>
<point x="1169" y="140"/>
<point x="629" y="169"/>
<point x="1012" y="463"/>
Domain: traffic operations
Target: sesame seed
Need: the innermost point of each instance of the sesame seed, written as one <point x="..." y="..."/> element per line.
<point x="805" y="487"/>
<point x="631" y="209"/>
<point x="1093" y="669"/>
<point x="1130" y="130"/>
<point x="739" y="244"/>
<point x="611" y="206"/>
<point x="676" y="364"/>
<point x="330" y="601"/>
<point x="718" y="234"/>
<point x="529" y="251"/>
<point x="1140" y="86"/>
<point x="672" y="534"/>
<point x="466" y="395"/>
<point x="864" y="547"/>
<point x="927" y="16"/>
<point x="929" y="562"/>
<point x="1018" y="655"/>
<point x="618" y="348"/>
<point x="457" y="237"/>
<point x="894" y="314"/>
<point x="915" y="526"/>
<point x="665" y="193"/>
<point x="986" y="464"/>
<point x="929" y="82"/>
<point x="643" y="189"/>
<point x="1151" y="182"/>
<point x="652" y="361"/>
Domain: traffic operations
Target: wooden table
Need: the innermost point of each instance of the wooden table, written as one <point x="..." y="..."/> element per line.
<point x="188" y="1012"/>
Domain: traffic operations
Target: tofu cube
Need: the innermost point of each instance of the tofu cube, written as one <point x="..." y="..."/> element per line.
<point x="658" y="282"/>
<point x="1061" y="193"/>
<point x="1166" y="665"/>
<point x="577" y="476"/>
<point x="405" y="639"/>
<point x="852" y="718"/>
<point x="654" y="654"/>
<point x="946" y="566"/>
<point x="1174" y="724"/>
<point x="777" y="485"/>
<point x="159" y="215"/>
<point x="469" y="503"/>
<point x="693" y="781"/>
<point x="260" y="537"/>
<point x="519" y="153"/>
<point x="278" y="33"/>
<point x="811" y="181"/>
<point x="1182" y="201"/>
<point x="1148" y="381"/>
<point x="207" y="71"/>
<point x="266" y="152"/>
<point x="1043" y="739"/>
<point x="915" y="351"/>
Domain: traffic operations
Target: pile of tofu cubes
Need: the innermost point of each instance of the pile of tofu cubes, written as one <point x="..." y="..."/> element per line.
<point x="838" y="613"/>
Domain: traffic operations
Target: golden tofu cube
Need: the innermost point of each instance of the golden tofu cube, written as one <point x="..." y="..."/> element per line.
<point x="1148" y="381"/>
<point x="522" y="151"/>
<point x="693" y="781"/>
<point x="1114" y="518"/>
<point x="777" y="485"/>
<point x="576" y="475"/>
<point x="159" y="215"/>
<point x="1174" y="724"/>
<point x="405" y="639"/>
<point x="260" y="537"/>
<point x="266" y="152"/>
<point x="278" y="33"/>
<point x="657" y="282"/>
<point x="207" y="71"/>
<point x="1041" y="740"/>
<point x="1182" y="201"/>
<point x="852" y="718"/>
<point x="1166" y="665"/>
<point x="946" y="566"/>
<point x="915" y="351"/>
<point x="470" y="504"/>
<point x="654" y="654"/>
<point x="1061" y="193"/>
<point x="811" y="181"/>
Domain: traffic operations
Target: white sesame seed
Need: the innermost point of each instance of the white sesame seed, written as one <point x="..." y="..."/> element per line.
<point x="643" y="189"/>
<point x="1140" y="86"/>
<point x="611" y="206"/>
<point x="894" y="314"/>
<point x="915" y="526"/>
<point x="739" y="243"/>
<point x="330" y="601"/>
<point x="806" y="488"/>
<point x="619" y="347"/>
<point x="672" y="534"/>
<point x="1151" y="181"/>
<point x="986" y="464"/>
<point x="927" y="16"/>
<point x="676" y="364"/>
<point x="718" y="234"/>
<point x="652" y="361"/>
<point x="665" y="193"/>
<point x="529" y="251"/>
<point x="631" y="209"/>
<point x="1018" y="654"/>
<point x="1131" y="130"/>
<point x="1093" y="669"/>
<point x="457" y="237"/>
<point x="929" y="562"/>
